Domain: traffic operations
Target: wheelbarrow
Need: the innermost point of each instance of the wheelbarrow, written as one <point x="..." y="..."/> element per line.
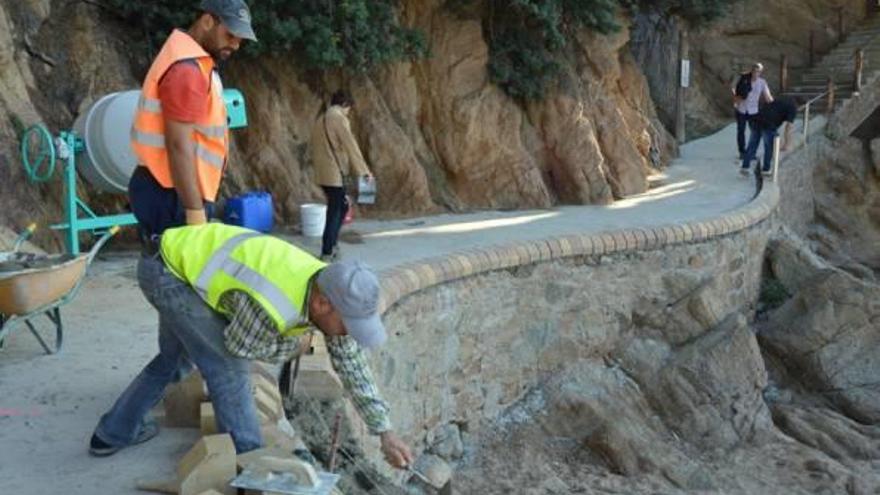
<point x="32" y="285"/>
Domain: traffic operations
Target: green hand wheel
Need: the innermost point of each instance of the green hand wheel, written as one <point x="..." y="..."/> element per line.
<point x="38" y="153"/>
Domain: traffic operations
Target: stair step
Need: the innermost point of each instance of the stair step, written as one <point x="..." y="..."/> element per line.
<point x="822" y="79"/>
<point x="820" y="89"/>
<point x="847" y="56"/>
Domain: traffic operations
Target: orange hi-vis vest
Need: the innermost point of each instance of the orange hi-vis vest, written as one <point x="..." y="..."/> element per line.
<point x="210" y="138"/>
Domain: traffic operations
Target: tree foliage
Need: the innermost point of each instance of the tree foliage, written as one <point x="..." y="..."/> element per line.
<point x="323" y="34"/>
<point x="528" y="37"/>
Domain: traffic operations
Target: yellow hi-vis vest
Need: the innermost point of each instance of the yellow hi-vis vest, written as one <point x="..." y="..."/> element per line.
<point x="215" y="258"/>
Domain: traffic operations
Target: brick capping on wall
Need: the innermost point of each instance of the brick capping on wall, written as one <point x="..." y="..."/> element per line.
<point x="402" y="280"/>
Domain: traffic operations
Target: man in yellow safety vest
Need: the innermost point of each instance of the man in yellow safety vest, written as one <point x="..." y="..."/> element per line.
<point x="227" y="295"/>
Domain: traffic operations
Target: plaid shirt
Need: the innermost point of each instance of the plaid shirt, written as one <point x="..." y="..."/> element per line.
<point x="252" y="334"/>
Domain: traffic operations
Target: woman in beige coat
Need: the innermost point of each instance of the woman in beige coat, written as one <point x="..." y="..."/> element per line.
<point x="335" y="153"/>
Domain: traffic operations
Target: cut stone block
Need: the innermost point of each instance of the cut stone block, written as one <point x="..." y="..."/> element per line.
<point x="266" y="385"/>
<point x="210" y="464"/>
<point x="317" y="379"/>
<point x="208" y="420"/>
<point x="183" y="401"/>
<point x="268" y="406"/>
<point x="276" y="438"/>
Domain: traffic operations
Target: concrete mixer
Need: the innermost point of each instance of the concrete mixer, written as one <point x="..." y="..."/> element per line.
<point x="99" y="148"/>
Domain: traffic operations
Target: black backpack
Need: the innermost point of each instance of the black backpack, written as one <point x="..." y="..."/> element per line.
<point x="744" y="86"/>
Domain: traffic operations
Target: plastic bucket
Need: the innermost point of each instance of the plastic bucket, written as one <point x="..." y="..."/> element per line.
<point x="313" y="217"/>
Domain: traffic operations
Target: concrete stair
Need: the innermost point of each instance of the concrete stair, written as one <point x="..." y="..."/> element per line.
<point x="839" y="65"/>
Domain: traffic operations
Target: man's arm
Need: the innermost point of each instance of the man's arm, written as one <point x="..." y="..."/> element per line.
<point x="351" y="365"/>
<point x="342" y="132"/>
<point x="768" y="97"/>
<point x="184" y="93"/>
<point x="181" y="158"/>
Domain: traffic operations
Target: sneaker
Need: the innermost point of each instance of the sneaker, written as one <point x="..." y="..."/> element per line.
<point x="99" y="448"/>
<point x="744" y="171"/>
<point x="330" y="258"/>
<point x="767" y="173"/>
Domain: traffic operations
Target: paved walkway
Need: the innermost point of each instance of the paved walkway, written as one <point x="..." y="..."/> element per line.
<point x="50" y="404"/>
<point x="701" y="184"/>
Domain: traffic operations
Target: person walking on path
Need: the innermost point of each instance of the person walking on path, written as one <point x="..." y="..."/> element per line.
<point x="180" y="137"/>
<point x="767" y="124"/>
<point x="227" y="295"/>
<point x="748" y="92"/>
<point x="336" y="156"/>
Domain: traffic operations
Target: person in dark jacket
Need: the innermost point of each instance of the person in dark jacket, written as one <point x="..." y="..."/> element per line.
<point x="767" y="123"/>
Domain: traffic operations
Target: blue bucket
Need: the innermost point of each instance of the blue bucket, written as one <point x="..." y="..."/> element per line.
<point x="251" y="210"/>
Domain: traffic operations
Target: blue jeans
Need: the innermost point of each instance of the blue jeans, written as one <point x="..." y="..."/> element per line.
<point x="189" y="332"/>
<point x="766" y="135"/>
<point x="743" y="119"/>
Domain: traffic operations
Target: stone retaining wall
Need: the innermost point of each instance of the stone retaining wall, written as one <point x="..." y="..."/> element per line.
<point x="795" y="182"/>
<point x="474" y="330"/>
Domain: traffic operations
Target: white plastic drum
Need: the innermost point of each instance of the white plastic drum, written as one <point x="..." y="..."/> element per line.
<point x="105" y="127"/>
<point x="313" y="216"/>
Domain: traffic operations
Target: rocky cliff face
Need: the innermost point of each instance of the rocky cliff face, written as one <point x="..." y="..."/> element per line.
<point x="847" y="192"/>
<point x="436" y="132"/>
<point x="754" y="31"/>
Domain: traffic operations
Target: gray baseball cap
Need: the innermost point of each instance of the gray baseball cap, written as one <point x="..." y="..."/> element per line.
<point x="353" y="290"/>
<point x="234" y="14"/>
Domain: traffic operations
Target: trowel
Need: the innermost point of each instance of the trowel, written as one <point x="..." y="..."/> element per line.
<point x="284" y="476"/>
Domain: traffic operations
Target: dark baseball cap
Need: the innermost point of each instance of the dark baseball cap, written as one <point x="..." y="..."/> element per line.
<point x="234" y="14"/>
<point x="353" y="290"/>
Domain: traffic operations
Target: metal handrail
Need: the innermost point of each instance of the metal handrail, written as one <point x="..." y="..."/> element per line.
<point x="806" y="109"/>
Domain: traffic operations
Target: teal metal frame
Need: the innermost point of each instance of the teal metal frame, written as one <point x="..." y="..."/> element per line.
<point x="73" y="204"/>
<point x="68" y="145"/>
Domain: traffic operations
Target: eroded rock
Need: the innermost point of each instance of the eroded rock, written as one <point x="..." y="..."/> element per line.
<point x="826" y="335"/>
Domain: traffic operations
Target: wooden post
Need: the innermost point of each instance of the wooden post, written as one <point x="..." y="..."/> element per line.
<point x="682" y="92"/>
<point x="777" y="150"/>
<point x="859" y="67"/>
<point x="830" y="108"/>
<point x="807" y="122"/>
<point x="783" y="74"/>
<point x="812" y="48"/>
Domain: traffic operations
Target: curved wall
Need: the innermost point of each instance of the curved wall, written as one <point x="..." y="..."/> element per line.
<point x="475" y="330"/>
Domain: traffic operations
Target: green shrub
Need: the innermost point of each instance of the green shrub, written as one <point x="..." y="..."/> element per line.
<point x="695" y="12"/>
<point x="357" y="34"/>
<point x="527" y="38"/>
<point x="773" y="293"/>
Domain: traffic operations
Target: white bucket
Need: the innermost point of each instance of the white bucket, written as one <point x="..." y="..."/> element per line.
<point x="313" y="217"/>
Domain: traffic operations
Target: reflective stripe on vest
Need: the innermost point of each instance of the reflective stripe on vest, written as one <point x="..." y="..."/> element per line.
<point x="216" y="258"/>
<point x="210" y="136"/>
<point x="221" y="261"/>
